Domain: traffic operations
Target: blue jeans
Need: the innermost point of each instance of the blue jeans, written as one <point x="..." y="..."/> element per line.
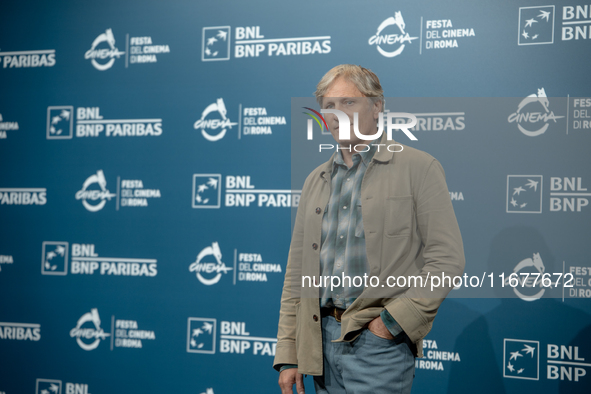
<point x="368" y="364"/>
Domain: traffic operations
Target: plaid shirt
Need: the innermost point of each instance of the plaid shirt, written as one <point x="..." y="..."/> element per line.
<point x="343" y="238"/>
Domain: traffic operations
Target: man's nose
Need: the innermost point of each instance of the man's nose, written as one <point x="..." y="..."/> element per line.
<point x="333" y="117"/>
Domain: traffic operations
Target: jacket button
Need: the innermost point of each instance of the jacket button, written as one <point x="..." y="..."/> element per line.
<point x="315" y="318"/>
<point x="314" y="246"/>
<point x="318" y="210"/>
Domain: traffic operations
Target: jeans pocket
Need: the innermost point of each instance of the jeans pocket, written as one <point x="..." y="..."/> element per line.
<point x="380" y="339"/>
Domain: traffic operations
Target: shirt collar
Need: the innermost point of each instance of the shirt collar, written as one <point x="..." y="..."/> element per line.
<point x="365" y="155"/>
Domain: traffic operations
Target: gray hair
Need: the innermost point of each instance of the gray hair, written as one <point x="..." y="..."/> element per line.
<point x="364" y="79"/>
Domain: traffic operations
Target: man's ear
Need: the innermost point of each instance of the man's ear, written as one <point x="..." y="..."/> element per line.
<point x="376" y="109"/>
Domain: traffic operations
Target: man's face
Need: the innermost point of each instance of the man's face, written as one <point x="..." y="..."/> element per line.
<point x="344" y="96"/>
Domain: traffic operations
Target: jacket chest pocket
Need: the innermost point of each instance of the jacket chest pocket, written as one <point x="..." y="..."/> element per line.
<point x="399" y="215"/>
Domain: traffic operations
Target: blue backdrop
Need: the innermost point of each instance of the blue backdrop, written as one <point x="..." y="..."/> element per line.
<point x="151" y="157"/>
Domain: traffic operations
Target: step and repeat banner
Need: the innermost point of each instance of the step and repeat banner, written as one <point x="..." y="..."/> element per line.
<point x="150" y="170"/>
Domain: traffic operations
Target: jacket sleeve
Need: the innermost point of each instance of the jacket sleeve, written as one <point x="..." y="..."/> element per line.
<point x="443" y="253"/>
<point x="285" y="352"/>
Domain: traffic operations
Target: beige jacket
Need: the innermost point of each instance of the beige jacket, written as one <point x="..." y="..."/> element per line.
<point x="410" y="230"/>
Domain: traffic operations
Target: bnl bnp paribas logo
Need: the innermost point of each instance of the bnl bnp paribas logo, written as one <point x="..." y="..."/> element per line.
<point x="86" y="261"/>
<point x="536" y="24"/>
<point x="240" y="191"/>
<point x="533" y="115"/>
<point x="20" y="331"/>
<point x="521" y="360"/>
<point x="91" y="124"/>
<point x="28" y="59"/>
<point x="250" y="42"/>
<point x="23" y="196"/>
<point x="391" y="36"/>
<point x="524" y="194"/>
<point x="54" y="386"/>
<point x="48" y="386"/>
<point x="201" y="338"/>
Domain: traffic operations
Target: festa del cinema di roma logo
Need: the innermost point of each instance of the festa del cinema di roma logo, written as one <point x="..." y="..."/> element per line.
<point x="88" y="338"/>
<point x="536" y="266"/>
<point x="210" y="128"/>
<point x="215" y="122"/>
<point x="207" y="271"/>
<point x="393" y="43"/>
<point x="124" y="333"/>
<point x="89" y="196"/>
<point x="532" y="110"/>
<point x="130" y="193"/>
<point x="101" y="57"/>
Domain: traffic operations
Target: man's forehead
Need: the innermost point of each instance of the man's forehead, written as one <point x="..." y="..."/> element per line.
<point x="342" y="87"/>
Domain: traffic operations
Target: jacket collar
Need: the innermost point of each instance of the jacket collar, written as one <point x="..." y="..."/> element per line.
<point x="384" y="155"/>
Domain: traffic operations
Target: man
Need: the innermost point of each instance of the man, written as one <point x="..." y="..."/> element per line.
<point x="382" y="212"/>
